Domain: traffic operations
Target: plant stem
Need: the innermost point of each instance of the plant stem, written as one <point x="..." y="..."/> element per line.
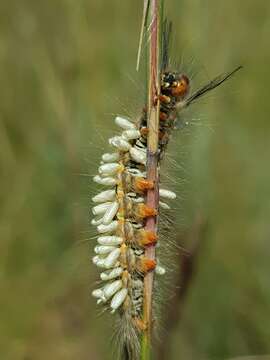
<point x="152" y="197"/>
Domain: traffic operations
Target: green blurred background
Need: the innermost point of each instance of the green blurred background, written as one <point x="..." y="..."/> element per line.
<point x="66" y="67"/>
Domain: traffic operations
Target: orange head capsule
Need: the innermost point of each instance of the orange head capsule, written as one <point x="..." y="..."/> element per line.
<point x="180" y="87"/>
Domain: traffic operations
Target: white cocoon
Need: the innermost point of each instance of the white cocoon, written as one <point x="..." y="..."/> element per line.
<point x="110" y="157"/>
<point x="131" y="134"/>
<point x="108" y="181"/>
<point x="108" y="169"/>
<point x="96" y="222"/>
<point x="107" y="195"/>
<point x="138" y="155"/>
<point x="111" y="274"/>
<point x="109" y="240"/>
<point x="107" y="228"/>
<point x="120" y="143"/>
<point x="118" y="299"/>
<point x="101" y="208"/>
<point x="163" y="205"/>
<point x="97" y="293"/>
<point x="110" y="289"/>
<point x="160" y="270"/>
<point x="110" y="213"/>
<point x="103" y="249"/>
<point x="167" y="194"/>
<point x="98" y="261"/>
<point x="124" y="123"/>
<point x="112" y="258"/>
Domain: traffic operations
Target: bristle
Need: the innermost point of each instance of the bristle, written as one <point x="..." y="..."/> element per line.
<point x="126" y="337"/>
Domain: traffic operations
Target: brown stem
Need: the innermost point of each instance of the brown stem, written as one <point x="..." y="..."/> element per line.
<point x="152" y="198"/>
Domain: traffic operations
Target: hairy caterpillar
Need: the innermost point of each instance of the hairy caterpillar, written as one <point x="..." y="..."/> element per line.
<point x="120" y="210"/>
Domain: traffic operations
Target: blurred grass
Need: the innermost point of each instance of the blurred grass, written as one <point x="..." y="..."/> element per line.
<point x="63" y="73"/>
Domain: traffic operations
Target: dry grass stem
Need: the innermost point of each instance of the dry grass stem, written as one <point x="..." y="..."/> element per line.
<point x="152" y="199"/>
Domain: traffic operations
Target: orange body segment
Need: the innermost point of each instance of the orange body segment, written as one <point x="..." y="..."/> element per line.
<point x="142" y="184"/>
<point x="163" y="116"/>
<point x="144" y="131"/>
<point x="146" y="265"/>
<point x="144" y="211"/>
<point x="147" y="238"/>
<point x="165" y="99"/>
<point x="140" y="324"/>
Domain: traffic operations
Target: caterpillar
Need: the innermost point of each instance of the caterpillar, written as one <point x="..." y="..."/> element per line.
<point x="120" y="210"/>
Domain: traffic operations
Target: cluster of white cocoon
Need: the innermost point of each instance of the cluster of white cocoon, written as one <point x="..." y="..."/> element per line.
<point x="105" y="210"/>
<point x="138" y="154"/>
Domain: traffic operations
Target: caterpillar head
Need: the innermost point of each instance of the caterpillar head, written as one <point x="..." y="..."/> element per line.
<point x="176" y="85"/>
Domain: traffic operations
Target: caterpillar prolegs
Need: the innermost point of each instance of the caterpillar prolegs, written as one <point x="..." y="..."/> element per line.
<point x="120" y="211"/>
